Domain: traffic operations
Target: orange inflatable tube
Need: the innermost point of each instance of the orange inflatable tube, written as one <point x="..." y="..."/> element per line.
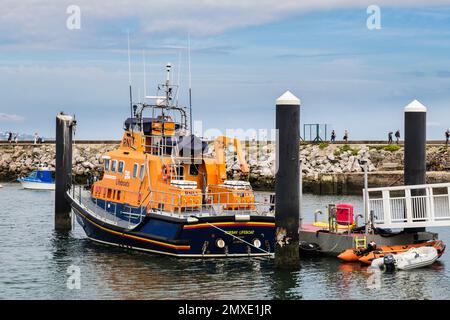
<point x="368" y="258"/>
<point x="350" y="255"/>
<point x="353" y="255"/>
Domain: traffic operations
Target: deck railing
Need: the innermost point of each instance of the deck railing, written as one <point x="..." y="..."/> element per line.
<point x="107" y="211"/>
<point x="410" y="206"/>
<point x="176" y="204"/>
<point x="211" y="203"/>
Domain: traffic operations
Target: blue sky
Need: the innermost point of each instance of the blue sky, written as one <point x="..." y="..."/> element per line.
<point x="244" y="55"/>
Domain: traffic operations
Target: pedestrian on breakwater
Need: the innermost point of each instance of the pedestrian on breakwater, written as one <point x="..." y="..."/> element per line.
<point x="10" y="137"/>
<point x="345" y="135"/>
<point x="333" y="136"/>
<point x="447" y="136"/>
<point x="390" y="134"/>
<point x="36" y="137"/>
<point x="397" y="136"/>
<point x="16" y="137"/>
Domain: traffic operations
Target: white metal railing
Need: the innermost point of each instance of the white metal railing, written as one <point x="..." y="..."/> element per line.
<point x="210" y="203"/>
<point x="410" y="206"/>
<point x="176" y="204"/>
<point x="108" y="211"/>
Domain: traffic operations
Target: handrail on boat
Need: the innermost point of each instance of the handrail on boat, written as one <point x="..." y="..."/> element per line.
<point x="178" y="204"/>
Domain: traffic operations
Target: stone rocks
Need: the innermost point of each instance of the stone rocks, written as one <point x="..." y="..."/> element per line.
<point x="19" y="160"/>
<point x="333" y="159"/>
<point x="315" y="161"/>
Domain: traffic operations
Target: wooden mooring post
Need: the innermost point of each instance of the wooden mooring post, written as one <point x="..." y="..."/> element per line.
<point x="64" y="128"/>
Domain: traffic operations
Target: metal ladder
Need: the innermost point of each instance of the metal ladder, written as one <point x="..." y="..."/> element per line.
<point x="360" y="242"/>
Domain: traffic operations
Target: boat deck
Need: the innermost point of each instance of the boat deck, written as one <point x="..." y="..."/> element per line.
<point x="334" y="243"/>
<point x="108" y="212"/>
<point x="315" y="229"/>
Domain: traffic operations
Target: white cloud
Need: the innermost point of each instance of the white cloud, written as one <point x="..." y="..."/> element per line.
<point x="43" y="22"/>
<point x="10" y="117"/>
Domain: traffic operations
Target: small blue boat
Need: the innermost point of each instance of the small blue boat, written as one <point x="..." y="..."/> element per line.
<point x="41" y="179"/>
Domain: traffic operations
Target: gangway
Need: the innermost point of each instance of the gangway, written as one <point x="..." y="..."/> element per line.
<point x="416" y="206"/>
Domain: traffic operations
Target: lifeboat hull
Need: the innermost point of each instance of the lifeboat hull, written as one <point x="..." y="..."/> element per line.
<point x="207" y="238"/>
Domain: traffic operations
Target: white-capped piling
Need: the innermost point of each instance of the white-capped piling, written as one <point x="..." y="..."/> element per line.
<point x="287" y="185"/>
<point x="415" y="167"/>
<point x="415" y="143"/>
<point x="63" y="168"/>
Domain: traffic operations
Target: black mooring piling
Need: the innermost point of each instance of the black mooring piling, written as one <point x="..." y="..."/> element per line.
<point x="64" y="125"/>
<point x="287" y="186"/>
<point x="415" y="143"/>
<point x="415" y="167"/>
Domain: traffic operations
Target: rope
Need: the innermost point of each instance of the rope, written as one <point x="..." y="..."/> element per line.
<point x="234" y="236"/>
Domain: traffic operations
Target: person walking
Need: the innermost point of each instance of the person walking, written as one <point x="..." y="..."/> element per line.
<point x="16" y="137"/>
<point x="10" y="137"/>
<point x="333" y="136"/>
<point x="346" y="136"/>
<point x="447" y="137"/>
<point x="390" y="134"/>
<point x="36" y="137"/>
<point x="397" y="136"/>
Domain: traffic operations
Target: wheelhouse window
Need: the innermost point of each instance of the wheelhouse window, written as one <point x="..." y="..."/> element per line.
<point x="135" y="170"/>
<point x="107" y="162"/>
<point x="113" y="165"/>
<point x="142" y="172"/>
<point x="193" y="170"/>
<point x="121" y="165"/>
<point x="179" y="172"/>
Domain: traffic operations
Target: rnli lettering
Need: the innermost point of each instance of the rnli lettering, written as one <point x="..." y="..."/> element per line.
<point x="122" y="183"/>
<point x="241" y="232"/>
<point x="127" y="142"/>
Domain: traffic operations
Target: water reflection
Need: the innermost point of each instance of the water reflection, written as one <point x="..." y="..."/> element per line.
<point x="132" y="275"/>
<point x="286" y="285"/>
<point x="35" y="258"/>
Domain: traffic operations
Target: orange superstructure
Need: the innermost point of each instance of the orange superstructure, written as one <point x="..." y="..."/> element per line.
<point x="161" y="166"/>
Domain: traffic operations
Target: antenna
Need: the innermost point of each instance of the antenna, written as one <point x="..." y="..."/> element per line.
<point x="129" y="75"/>
<point x="190" y="83"/>
<point x="145" y="75"/>
<point x="178" y="76"/>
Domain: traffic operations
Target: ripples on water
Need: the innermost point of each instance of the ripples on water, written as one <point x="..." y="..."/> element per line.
<point x="34" y="260"/>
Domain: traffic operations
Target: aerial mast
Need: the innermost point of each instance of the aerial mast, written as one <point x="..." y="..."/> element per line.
<point x="129" y="75"/>
<point x="190" y="84"/>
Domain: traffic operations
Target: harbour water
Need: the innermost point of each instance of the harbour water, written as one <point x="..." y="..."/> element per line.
<point x="34" y="264"/>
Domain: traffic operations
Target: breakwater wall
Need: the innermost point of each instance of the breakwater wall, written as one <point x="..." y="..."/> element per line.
<point x="326" y="168"/>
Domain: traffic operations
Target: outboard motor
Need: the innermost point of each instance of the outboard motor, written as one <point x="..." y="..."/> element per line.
<point x="389" y="262"/>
